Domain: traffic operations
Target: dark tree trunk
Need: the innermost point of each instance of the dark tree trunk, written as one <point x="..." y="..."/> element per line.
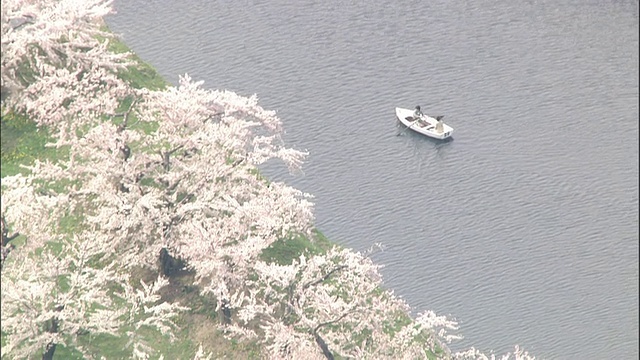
<point x="52" y="327"/>
<point x="5" y="233"/>
<point x="323" y="345"/>
<point x="226" y="312"/>
<point x="48" y="354"/>
<point x="166" y="162"/>
<point x="168" y="264"/>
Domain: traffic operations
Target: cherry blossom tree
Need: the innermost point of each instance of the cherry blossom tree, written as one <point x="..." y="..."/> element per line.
<point x="475" y="354"/>
<point x="334" y="304"/>
<point x="189" y="189"/>
<point x="28" y="210"/>
<point x="205" y="202"/>
<point x="66" y="289"/>
<point x="55" y="60"/>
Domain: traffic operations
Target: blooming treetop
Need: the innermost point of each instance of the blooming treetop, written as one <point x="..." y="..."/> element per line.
<point x="190" y="186"/>
<point x="335" y="303"/>
<point x="64" y="290"/>
<point x="53" y="62"/>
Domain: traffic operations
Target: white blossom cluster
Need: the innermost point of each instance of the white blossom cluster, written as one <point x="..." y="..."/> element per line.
<point x="56" y="62"/>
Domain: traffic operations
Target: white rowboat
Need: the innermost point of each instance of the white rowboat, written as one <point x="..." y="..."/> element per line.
<point x="426" y="125"/>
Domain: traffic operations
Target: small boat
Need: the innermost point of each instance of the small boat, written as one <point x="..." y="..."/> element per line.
<point x="426" y="125"/>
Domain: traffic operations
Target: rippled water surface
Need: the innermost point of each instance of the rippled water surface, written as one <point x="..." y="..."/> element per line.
<point x="525" y="226"/>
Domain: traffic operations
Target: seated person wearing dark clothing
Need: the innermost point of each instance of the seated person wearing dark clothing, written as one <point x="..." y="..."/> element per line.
<point x="417" y="114"/>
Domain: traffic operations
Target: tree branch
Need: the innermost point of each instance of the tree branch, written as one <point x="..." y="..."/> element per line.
<point x="166" y="155"/>
<point x="214" y="116"/>
<point x="5" y="233"/>
<point x="323" y="345"/>
<point x="320" y="341"/>
<point x="125" y="115"/>
<point x="332" y="321"/>
<point x="325" y="277"/>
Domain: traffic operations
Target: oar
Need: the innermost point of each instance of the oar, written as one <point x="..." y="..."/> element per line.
<point x="405" y="129"/>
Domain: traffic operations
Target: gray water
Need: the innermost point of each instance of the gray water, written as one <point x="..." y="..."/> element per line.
<point x="525" y="226"/>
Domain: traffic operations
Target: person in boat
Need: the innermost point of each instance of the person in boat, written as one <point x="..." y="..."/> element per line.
<point x="440" y="124"/>
<point x="417" y="113"/>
